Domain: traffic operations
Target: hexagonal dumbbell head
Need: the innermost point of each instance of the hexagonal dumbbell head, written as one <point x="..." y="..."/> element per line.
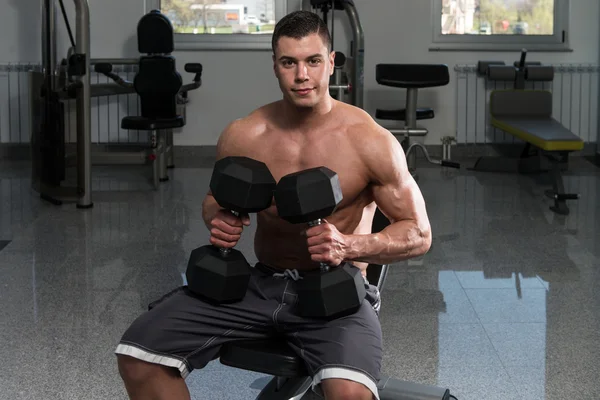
<point x="334" y="294"/>
<point x="242" y="184"/>
<point x="308" y="195"/>
<point x="215" y="278"/>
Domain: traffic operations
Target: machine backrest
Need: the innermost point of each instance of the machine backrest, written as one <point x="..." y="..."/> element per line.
<point x="157" y="81"/>
<point x="155" y="34"/>
<point x="521" y="103"/>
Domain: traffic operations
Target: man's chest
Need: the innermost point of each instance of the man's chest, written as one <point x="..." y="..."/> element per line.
<point x="284" y="157"/>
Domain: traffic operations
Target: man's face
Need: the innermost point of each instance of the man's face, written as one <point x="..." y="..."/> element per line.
<point x="303" y="67"/>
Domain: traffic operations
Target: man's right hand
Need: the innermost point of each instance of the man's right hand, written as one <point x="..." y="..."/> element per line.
<point x="226" y="229"/>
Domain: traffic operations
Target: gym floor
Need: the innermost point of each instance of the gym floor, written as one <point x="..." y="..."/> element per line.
<point x="504" y="306"/>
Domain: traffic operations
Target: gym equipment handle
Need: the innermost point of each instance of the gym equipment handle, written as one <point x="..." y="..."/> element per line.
<point x="193" y="68"/>
<point x="225" y="250"/>
<point x="324" y="267"/>
<point x="566" y="196"/>
<point x="106" y="69"/>
<point x="451" y="164"/>
<point x="347" y="87"/>
<point x="103" y="68"/>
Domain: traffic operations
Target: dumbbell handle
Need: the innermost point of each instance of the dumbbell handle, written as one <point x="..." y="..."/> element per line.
<point x="226" y="250"/>
<point x="324" y="267"/>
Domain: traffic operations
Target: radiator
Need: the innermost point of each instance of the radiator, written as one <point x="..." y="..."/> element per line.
<point x="107" y="111"/>
<point x="575" y="103"/>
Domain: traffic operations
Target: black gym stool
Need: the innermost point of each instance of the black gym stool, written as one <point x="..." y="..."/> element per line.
<point x="412" y="77"/>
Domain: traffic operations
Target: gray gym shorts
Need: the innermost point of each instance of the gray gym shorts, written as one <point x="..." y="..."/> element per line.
<point x="183" y="332"/>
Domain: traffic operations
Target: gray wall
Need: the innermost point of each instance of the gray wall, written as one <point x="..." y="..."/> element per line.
<point x="237" y="82"/>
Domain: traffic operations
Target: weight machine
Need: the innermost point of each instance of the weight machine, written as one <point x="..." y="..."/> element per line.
<point x="70" y="80"/>
<point x="348" y="76"/>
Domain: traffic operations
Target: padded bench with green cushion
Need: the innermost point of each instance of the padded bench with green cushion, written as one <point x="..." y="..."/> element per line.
<point x="527" y="114"/>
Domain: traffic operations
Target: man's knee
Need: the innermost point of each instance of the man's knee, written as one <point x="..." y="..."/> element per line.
<point x="135" y="371"/>
<point x="338" y="389"/>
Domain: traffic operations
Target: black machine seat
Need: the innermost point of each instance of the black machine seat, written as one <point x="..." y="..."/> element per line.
<point x="273" y="357"/>
<point x="152" y="124"/>
<point x="400" y="115"/>
<point x="412" y="75"/>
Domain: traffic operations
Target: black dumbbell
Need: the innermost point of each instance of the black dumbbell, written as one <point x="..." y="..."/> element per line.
<point x="241" y="185"/>
<point x="307" y="197"/>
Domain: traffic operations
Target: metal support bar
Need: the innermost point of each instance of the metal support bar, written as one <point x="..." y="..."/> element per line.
<point x="84" y="115"/>
<point x="49" y="43"/>
<point x="336" y="88"/>
<point x="162" y="157"/>
<point x="358" y="55"/>
<point x="408" y="132"/>
<point x="115" y="61"/>
<point x="170" y="160"/>
<point x="412" y="98"/>
<point x="443" y="163"/>
<point x="339" y="89"/>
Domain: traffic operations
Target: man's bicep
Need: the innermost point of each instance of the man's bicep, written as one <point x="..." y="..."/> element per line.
<point x="399" y="200"/>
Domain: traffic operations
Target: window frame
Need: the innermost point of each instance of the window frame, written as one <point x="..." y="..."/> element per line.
<point x="559" y="41"/>
<point x="224" y="42"/>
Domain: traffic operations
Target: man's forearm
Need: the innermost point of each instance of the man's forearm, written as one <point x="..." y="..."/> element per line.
<point x="397" y="242"/>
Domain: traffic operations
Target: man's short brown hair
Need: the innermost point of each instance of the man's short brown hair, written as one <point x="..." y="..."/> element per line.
<point x="299" y="24"/>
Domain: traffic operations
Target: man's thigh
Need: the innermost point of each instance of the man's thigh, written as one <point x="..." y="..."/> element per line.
<point x="347" y="348"/>
<point x="182" y="331"/>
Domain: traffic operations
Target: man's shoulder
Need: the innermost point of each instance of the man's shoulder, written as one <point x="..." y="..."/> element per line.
<point x="240" y="134"/>
<point x="375" y="145"/>
<point x="362" y="128"/>
<point x="254" y="123"/>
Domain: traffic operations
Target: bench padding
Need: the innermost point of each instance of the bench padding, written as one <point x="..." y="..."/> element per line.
<point x="526" y="114"/>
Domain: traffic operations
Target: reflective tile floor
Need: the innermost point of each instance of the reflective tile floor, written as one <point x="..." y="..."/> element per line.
<point x="504" y="306"/>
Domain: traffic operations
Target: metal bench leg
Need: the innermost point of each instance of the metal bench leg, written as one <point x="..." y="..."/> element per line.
<point x="558" y="189"/>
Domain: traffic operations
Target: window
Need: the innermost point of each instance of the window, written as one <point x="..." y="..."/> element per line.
<point x="500" y="24"/>
<point x="222" y="24"/>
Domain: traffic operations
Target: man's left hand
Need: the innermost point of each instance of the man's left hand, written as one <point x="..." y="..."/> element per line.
<point x="326" y="244"/>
